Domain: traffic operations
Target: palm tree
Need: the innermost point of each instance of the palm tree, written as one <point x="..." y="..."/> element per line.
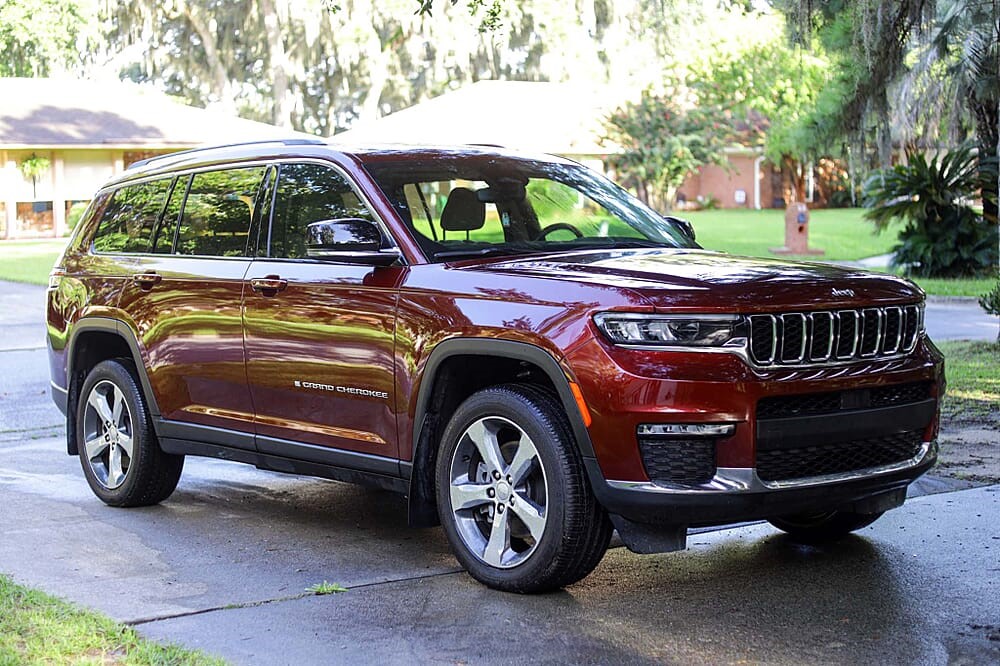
<point x="958" y="59"/>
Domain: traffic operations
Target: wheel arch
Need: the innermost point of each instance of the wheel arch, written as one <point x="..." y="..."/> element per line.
<point x="432" y="393"/>
<point x="97" y="339"/>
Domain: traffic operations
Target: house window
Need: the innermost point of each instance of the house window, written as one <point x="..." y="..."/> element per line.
<point x="34" y="218"/>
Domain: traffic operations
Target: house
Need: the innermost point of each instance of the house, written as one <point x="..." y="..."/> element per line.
<point x="746" y="180"/>
<point x="61" y="139"/>
<point x="559" y="118"/>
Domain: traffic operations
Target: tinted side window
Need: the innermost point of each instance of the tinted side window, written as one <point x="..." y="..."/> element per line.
<point x="309" y="193"/>
<point x="130" y="217"/>
<point x="217" y="212"/>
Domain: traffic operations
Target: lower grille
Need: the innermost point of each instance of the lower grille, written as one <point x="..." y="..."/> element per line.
<point x="804" y="404"/>
<point x="783" y="464"/>
<point x="684" y="461"/>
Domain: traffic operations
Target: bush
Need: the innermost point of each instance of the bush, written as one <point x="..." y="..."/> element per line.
<point x="944" y="235"/>
<point x="990" y="301"/>
<point x="76" y="211"/>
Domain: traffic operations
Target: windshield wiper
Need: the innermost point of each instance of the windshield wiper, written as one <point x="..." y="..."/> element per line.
<point x="479" y="252"/>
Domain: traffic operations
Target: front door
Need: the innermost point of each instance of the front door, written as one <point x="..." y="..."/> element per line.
<point x="320" y="334"/>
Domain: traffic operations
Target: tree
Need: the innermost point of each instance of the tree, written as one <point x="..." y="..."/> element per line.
<point x="39" y="36"/>
<point x="959" y="59"/>
<point x="870" y="39"/>
<point x="662" y="143"/>
<point x="770" y="90"/>
<point x="944" y="235"/>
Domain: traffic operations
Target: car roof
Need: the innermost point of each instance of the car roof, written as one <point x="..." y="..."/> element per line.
<point x="312" y="148"/>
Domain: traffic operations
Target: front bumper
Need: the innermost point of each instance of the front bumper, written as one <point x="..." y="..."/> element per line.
<point x="737" y="494"/>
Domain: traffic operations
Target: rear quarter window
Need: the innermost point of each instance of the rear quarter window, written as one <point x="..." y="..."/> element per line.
<point x="130" y="217"/>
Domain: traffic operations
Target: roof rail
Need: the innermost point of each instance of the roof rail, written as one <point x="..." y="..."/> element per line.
<point x="284" y="142"/>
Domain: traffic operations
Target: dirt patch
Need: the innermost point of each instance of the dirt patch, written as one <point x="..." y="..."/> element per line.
<point x="970" y="449"/>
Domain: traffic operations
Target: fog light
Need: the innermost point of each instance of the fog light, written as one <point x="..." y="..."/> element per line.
<point x="686" y="429"/>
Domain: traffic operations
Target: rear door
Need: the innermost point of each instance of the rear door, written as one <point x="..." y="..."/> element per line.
<point x="320" y="333"/>
<point x="185" y="300"/>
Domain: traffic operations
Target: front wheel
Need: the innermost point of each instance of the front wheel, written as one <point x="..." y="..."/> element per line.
<point x="120" y="455"/>
<point x="513" y="496"/>
<point x="826" y="526"/>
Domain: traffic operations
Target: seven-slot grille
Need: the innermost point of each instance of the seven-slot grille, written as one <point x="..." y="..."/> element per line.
<point x="807" y="338"/>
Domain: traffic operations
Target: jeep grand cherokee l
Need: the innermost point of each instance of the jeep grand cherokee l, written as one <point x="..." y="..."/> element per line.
<point x="529" y="353"/>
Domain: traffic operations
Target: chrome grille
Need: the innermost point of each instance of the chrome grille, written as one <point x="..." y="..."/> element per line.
<point x="815" y="338"/>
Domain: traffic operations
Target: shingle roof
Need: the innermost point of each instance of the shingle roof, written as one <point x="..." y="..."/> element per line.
<point x="51" y="113"/>
<point x="559" y="118"/>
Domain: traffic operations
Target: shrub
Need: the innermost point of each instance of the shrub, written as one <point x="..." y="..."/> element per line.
<point x="944" y="235"/>
<point x="990" y="301"/>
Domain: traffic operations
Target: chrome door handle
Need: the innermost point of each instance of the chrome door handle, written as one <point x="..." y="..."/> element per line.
<point x="146" y="280"/>
<point x="269" y="286"/>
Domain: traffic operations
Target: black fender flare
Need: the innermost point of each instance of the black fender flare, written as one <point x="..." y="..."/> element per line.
<point x="421" y="473"/>
<point x="121" y="330"/>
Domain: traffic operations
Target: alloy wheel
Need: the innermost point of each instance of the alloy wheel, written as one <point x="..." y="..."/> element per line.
<point x="108" y="434"/>
<point x="499" y="492"/>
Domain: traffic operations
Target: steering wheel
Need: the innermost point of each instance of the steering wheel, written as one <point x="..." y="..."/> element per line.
<point x="557" y="226"/>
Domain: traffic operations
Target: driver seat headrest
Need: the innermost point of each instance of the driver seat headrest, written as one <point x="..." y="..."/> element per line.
<point x="463" y="211"/>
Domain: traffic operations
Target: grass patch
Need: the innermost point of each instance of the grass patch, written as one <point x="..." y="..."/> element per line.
<point x="955" y="286"/>
<point x="326" y="588"/>
<point x="972" y="369"/>
<point x="29" y="261"/>
<point x="36" y="628"/>
<point x="842" y="233"/>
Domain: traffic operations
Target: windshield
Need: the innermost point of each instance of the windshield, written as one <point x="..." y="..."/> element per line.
<point x="461" y="205"/>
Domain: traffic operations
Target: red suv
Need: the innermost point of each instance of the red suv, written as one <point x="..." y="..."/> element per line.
<point x="529" y="353"/>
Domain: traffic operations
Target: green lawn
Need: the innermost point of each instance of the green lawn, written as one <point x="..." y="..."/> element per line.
<point x="29" y="261"/>
<point x="973" y="373"/>
<point x="38" y="629"/>
<point x="841" y="233"/>
<point x="955" y="287"/>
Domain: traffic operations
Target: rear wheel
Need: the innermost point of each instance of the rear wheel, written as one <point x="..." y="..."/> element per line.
<point x="513" y="496"/>
<point x="826" y="526"/>
<point x="121" y="459"/>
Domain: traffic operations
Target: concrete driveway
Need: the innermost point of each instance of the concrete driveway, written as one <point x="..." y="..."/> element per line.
<point x="224" y="565"/>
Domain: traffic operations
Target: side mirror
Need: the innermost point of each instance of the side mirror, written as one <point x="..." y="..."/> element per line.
<point x="351" y="240"/>
<point x="686" y="228"/>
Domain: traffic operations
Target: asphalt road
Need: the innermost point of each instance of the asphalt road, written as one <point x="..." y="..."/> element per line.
<point x="224" y="564"/>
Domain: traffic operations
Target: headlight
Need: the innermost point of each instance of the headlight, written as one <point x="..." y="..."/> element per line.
<point x="671" y="330"/>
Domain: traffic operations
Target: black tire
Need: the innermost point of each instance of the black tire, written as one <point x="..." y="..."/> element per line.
<point x="822" y="527"/>
<point x="147" y="476"/>
<point x="575" y="530"/>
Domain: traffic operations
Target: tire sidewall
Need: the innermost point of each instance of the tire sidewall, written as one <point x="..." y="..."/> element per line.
<point x="532" y="419"/>
<point x="116" y="373"/>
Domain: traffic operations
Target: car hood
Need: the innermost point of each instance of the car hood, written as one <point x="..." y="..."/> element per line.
<point x="713" y="281"/>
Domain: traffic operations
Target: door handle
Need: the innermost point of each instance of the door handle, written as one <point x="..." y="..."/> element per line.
<point x="269" y="286"/>
<point x="146" y="281"/>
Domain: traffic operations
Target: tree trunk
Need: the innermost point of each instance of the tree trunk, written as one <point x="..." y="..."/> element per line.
<point x="281" y="104"/>
<point x="222" y="88"/>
